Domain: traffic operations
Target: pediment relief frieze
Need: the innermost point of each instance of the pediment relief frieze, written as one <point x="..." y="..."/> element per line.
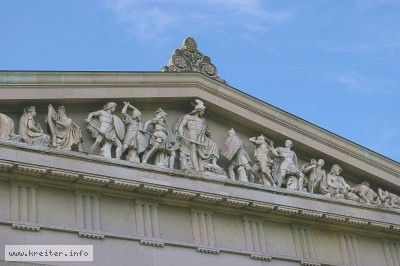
<point x="186" y="143"/>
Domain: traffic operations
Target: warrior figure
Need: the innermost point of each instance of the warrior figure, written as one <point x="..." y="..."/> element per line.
<point x="263" y="159"/>
<point x="316" y="176"/>
<point x="197" y="150"/>
<point x="31" y="132"/>
<point x="7" y="128"/>
<point x="162" y="141"/>
<point x="107" y="129"/>
<point x="134" y="140"/>
<point x="239" y="160"/>
<point x="65" y="134"/>
<point x="286" y="169"/>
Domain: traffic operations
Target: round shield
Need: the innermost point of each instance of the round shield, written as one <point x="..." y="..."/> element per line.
<point x="119" y="127"/>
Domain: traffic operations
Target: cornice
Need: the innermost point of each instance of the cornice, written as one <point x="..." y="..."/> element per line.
<point x="211" y="200"/>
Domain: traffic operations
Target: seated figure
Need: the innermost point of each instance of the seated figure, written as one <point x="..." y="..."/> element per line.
<point x="31" y="132"/>
<point x="65" y="134"/>
<point x="337" y="186"/>
<point x="7" y="128"/>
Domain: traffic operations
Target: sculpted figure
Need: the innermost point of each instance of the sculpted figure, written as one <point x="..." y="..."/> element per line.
<point x="263" y="159"/>
<point x="316" y="176"/>
<point x="134" y="141"/>
<point x="239" y="160"/>
<point x="388" y="199"/>
<point x="31" y="132"/>
<point x="7" y="128"/>
<point x="337" y="186"/>
<point x="108" y="130"/>
<point x="286" y="169"/>
<point x="197" y="150"/>
<point x="162" y="142"/>
<point x="65" y="134"/>
<point x="366" y="194"/>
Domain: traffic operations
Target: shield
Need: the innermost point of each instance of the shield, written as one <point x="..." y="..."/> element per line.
<point x="231" y="147"/>
<point x="119" y="127"/>
<point x="142" y="139"/>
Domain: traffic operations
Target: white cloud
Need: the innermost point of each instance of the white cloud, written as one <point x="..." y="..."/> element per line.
<point x="152" y="19"/>
<point x="355" y="81"/>
<point x="360" y="47"/>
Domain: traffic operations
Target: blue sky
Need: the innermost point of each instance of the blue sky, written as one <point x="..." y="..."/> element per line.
<point x="333" y="63"/>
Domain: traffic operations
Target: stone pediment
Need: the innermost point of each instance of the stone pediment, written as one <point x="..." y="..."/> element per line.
<point x="226" y="107"/>
<point x="231" y="179"/>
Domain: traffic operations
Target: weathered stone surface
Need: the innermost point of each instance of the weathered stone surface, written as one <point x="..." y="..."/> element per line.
<point x="136" y="207"/>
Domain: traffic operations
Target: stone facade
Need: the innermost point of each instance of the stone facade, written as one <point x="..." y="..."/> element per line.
<point x="155" y="214"/>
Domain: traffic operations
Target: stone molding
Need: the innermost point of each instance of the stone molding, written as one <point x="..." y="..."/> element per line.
<point x="208" y="198"/>
<point x="26" y="227"/>
<point x="260" y="257"/>
<point x="154" y="243"/>
<point x="91" y="235"/>
<point x="309" y="263"/>
<point x="62" y="175"/>
<point x="209" y="250"/>
<point x="97" y="180"/>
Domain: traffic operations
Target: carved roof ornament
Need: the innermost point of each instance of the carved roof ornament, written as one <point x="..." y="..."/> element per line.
<point x="189" y="59"/>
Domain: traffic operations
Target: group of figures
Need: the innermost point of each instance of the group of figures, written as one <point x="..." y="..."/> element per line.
<point x="278" y="167"/>
<point x="155" y="142"/>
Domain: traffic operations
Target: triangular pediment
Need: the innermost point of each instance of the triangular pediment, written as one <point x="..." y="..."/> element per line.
<point x="179" y="158"/>
<point x="226" y="107"/>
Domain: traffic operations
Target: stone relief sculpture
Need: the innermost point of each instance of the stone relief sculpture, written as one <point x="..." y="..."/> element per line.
<point x="189" y="59"/>
<point x="337" y="186"/>
<point x="263" y="159"/>
<point x="239" y="160"/>
<point x="154" y="141"/>
<point x="65" y="134"/>
<point x="285" y="169"/>
<point x="7" y="128"/>
<point x="107" y="129"/>
<point x="197" y="151"/>
<point x="161" y="142"/>
<point x="316" y="177"/>
<point x="366" y="194"/>
<point x="31" y="132"/>
<point x="134" y="140"/>
<point x="388" y="199"/>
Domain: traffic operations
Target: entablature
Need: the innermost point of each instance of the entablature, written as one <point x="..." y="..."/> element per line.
<point x="72" y="170"/>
